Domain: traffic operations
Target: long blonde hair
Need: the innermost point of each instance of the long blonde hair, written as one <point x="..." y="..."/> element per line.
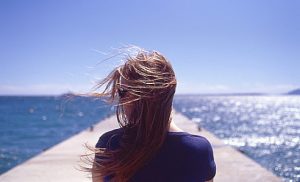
<point x="146" y="85"/>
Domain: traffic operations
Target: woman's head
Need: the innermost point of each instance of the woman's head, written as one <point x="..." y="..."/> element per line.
<point x="142" y="89"/>
<point x="142" y="81"/>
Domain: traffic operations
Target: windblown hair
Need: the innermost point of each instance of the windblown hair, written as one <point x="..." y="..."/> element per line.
<point x="142" y="89"/>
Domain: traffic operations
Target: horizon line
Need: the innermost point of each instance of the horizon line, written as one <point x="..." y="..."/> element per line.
<point x="176" y="94"/>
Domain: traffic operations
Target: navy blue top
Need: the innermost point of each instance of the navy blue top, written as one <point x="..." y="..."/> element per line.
<point x="182" y="158"/>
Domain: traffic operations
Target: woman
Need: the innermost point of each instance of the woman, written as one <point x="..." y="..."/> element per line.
<point x="148" y="146"/>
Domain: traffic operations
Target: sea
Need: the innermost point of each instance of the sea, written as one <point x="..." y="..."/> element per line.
<point x="30" y="125"/>
<point x="265" y="128"/>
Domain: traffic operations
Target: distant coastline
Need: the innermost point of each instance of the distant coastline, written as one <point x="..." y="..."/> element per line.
<point x="71" y="94"/>
<point x="226" y="94"/>
<point x="294" y="92"/>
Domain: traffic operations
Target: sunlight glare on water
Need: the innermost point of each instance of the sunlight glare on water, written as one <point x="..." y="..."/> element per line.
<point x="266" y="128"/>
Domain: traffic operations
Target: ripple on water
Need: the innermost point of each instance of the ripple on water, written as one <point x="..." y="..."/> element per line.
<point x="266" y="128"/>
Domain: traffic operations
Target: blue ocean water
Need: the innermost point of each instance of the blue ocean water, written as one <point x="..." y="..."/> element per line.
<point x="266" y="128"/>
<point x="30" y="125"/>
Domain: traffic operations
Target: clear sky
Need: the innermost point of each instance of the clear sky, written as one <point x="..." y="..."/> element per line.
<point x="51" y="47"/>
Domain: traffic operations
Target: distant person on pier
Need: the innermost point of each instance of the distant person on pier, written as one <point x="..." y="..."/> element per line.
<point x="148" y="146"/>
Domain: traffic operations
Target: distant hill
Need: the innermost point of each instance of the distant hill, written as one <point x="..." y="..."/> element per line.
<point x="294" y="92"/>
<point x="225" y="94"/>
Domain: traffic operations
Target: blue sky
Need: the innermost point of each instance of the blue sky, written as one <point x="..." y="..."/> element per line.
<point x="51" y="47"/>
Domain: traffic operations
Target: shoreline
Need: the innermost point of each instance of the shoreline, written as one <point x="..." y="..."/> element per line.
<point x="61" y="161"/>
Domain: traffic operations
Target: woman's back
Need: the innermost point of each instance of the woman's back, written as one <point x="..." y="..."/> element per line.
<point x="182" y="157"/>
<point x="144" y="149"/>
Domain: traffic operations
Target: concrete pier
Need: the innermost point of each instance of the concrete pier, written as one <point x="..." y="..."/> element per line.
<point x="60" y="163"/>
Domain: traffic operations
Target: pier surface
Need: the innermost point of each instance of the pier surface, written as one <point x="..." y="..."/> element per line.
<point x="60" y="163"/>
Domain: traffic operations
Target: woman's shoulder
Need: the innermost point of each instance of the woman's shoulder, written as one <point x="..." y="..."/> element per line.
<point x="193" y="152"/>
<point x="109" y="138"/>
<point x="190" y="138"/>
<point x="111" y="132"/>
<point x="192" y="142"/>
